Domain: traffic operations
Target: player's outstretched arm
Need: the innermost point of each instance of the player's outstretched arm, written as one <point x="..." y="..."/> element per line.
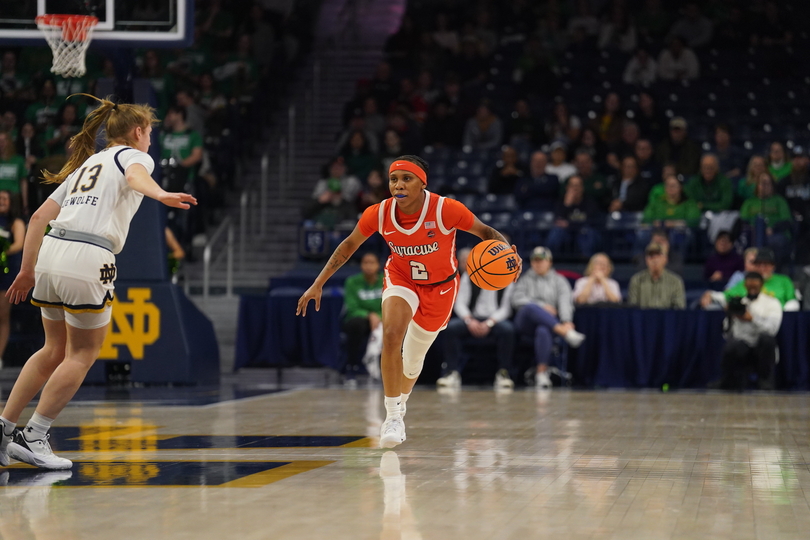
<point x="342" y="254"/>
<point x="24" y="281"/>
<point x="139" y="180"/>
<point x="485" y="232"/>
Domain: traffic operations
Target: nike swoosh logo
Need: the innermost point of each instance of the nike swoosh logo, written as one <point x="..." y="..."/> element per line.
<point x="447" y="291"/>
<point x="389" y="232"/>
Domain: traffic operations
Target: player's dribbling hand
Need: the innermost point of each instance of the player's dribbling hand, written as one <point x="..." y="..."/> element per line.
<point x="520" y="263"/>
<point x="178" y="200"/>
<point x="313" y="293"/>
<point x="18" y="291"/>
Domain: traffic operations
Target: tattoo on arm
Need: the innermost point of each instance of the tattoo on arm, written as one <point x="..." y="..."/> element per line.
<point x="337" y="260"/>
<point x="492" y="234"/>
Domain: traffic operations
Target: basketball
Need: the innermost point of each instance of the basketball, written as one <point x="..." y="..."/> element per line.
<point x="492" y="265"/>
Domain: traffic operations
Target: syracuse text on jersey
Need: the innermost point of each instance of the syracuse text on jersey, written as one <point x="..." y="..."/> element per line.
<point x="411" y="251"/>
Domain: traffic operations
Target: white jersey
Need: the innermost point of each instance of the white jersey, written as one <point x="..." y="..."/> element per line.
<point x="96" y="198"/>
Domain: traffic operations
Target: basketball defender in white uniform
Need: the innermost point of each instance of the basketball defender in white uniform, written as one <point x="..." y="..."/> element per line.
<point x="72" y="268"/>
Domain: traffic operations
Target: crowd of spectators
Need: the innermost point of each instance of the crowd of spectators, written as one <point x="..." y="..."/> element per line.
<point x="590" y="126"/>
<point x="205" y="94"/>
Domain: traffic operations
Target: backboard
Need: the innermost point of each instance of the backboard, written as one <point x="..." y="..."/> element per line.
<point x="128" y="23"/>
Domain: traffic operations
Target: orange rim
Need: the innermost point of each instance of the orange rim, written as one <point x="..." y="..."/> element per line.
<point x="74" y="27"/>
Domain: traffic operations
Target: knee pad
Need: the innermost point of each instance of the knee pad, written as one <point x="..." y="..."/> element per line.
<point x="414" y="348"/>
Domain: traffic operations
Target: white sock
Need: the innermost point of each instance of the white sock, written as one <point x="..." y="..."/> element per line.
<point x="393" y="406"/>
<point x="404" y="397"/>
<point x="8" y="426"/>
<point x="37" y="427"/>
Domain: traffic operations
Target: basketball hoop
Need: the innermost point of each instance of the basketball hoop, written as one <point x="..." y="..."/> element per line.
<point x="68" y="36"/>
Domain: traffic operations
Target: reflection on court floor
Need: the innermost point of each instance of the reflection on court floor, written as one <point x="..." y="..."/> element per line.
<point x="93" y="438"/>
<point x="160" y="473"/>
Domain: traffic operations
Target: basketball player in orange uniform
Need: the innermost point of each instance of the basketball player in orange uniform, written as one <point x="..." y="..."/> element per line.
<point x="421" y="277"/>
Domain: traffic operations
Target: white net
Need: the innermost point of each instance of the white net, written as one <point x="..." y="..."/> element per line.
<point x="68" y="37"/>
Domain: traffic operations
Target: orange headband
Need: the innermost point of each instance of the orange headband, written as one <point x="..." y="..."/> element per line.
<point x="410" y="167"/>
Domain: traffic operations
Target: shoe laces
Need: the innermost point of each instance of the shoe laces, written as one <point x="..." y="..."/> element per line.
<point x="392" y="425"/>
<point x="44" y="444"/>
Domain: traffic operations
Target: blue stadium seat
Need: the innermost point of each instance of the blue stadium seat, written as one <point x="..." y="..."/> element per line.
<point x="620" y="228"/>
<point x="432" y="154"/>
<point x="467" y="199"/>
<point x="496" y="203"/>
<point x="464" y="184"/>
<point x="502" y="221"/>
<point x="531" y="228"/>
<point x="438" y="183"/>
<point x="438" y="167"/>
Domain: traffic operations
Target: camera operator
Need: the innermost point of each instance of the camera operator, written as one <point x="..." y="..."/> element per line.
<point x="751" y="325"/>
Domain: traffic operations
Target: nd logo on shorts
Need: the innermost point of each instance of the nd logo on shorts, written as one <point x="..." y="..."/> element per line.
<point x="135" y="324"/>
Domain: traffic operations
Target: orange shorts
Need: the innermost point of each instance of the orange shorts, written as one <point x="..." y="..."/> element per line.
<point x="432" y="305"/>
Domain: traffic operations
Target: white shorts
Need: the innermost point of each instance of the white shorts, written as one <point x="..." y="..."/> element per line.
<point x="74" y="282"/>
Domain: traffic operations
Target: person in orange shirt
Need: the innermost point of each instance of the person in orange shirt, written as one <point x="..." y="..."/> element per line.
<point x="420" y="277"/>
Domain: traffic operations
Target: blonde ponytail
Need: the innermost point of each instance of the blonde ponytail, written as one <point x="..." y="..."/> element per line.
<point x="120" y="119"/>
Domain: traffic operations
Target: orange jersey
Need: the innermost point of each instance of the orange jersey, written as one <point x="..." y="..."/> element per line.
<point x="423" y="244"/>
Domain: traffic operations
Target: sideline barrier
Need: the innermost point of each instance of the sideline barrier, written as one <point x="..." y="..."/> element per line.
<point x="625" y="347"/>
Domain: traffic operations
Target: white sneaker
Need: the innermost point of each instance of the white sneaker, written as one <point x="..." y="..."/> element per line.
<point x="542" y="380"/>
<point x="574" y="338"/>
<point x="37" y="453"/>
<point x="392" y="432"/>
<point x="503" y="381"/>
<point x="451" y="380"/>
<point x="4" y="441"/>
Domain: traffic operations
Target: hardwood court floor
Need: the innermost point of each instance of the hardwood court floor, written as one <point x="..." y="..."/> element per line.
<point x="476" y="465"/>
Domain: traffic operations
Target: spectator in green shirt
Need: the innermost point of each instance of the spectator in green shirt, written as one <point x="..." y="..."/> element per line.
<point x="362" y="297"/>
<point x="772" y="212"/>
<point x="180" y="142"/>
<point x="673" y="212"/>
<point x="674" y="209"/>
<point x="779" y="286"/>
<point x="44" y="110"/>
<point x="778" y="165"/>
<point x="8" y="124"/>
<point x="596" y="186"/>
<point x="709" y="189"/>
<point x="237" y="75"/>
<point x="162" y="83"/>
<point x="13" y="84"/>
<point x="13" y="171"/>
<point x="216" y="25"/>
<point x="360" y="160"/>
<point x="747" y="187"/>
<point x="66" y="126"/>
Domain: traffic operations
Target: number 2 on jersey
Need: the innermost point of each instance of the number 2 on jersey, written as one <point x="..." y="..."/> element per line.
<point x="418" y="271"/>
<point x="93" y="179"/>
